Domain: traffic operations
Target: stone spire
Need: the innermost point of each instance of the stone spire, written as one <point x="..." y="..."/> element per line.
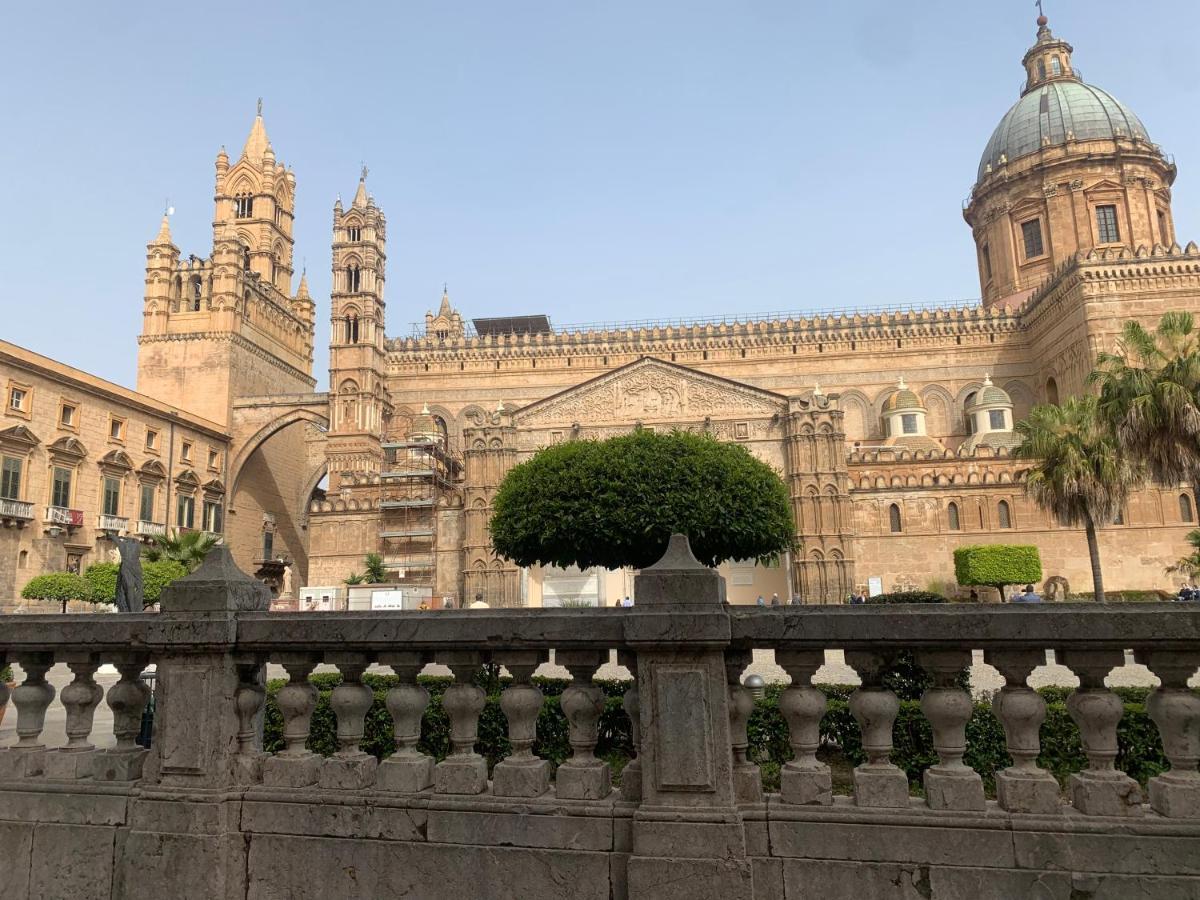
<point x="302" y="290"/>
<point x="257" y="142"/>
<point x="360" y="196"/>
<point x="163" y="238"/>
<point x="445" y="309"/>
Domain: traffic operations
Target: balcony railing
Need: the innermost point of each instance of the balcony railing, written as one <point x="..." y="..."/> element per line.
<point x="60" y="515"/>
<point x="112" y="523"/>
<point x="150" y="529"/>
<point x="16" y="510"/>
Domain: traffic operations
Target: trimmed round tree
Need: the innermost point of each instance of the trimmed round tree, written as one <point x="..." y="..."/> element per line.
<point x="617" y="502"/>
<point x="997" y="565"/>
<point x="57" y="586"/>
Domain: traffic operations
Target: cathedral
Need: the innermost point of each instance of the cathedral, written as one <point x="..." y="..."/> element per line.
<point x="892" y="428"/>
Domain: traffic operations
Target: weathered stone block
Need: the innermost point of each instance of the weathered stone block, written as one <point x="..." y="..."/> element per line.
<point x="880" y="786"/>
<point x="348" y="773"/>
<point x="807" y="787"/>
<point x="1106" y="794"/>
<point x="532" y="827"/>
<point x="1175" y="796"/>
<point x="405" y="776"/>
<point x="961" y="789"/>
<point x="690" y="879"/>
<point x="524" y="779"/>
<point x="69" y="765"/>
<point x="461" y="775"/>
<point x="17" y="841"/>
<point x="1020" y="793"/>
<point x="248" y="768"/>
<point x="21" y="763"/>
<point x="291" y="771"/>
<point x="747" y="785"/>
<point x="582" y="782"/>
<point x="119" y="765"/>
<point x="71" y="861"/>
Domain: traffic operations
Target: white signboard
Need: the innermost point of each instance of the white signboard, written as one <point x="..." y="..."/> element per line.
<point x="387" y="600"/>
<point x="874" y="587"/>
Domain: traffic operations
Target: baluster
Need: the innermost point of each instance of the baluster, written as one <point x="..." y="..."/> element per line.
<point x="583" y="776"/>
<point x="464" y="771"/>
<point x="747" y="781"/>
<point x="350" y="768"/>
<point x="80" y="698"/>
<point x="805" y="779"/>
<point x="1099" y="790"/>
<point x="4" y="691"/>
<point x="951" y="784"/>
<point x="877" y="782"/>
<point x="1024" y="787"/>
<point x="127" y="699"/>
<point x="31" y="698"/>
<point x="295" y="765"/>
<point x="408" y="770"/>
<point x="522" y="774"/>
<point x="631" y="775"/>
<point x="1175" y="709"/>
<point x="248" y="701"/>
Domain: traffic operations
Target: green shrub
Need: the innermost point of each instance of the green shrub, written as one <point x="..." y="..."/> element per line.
<point x="1125" y="597"/>
<point x="908" y="597"/>
<point x="60" y="586"/>
<point x="616" y="503"/>
<point x="102" y="578"/>
<point x="997" y="565"/>
<point x="156" y="575"/>
<point x="6" y="675"/>
<point x="904" y="676"/>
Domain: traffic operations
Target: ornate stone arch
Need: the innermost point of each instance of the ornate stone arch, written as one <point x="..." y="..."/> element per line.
<point x="965" y="393"/>
<point x="939" y="410"/>
<point x="855" y="408"/>
<point x="1022" y="398"/>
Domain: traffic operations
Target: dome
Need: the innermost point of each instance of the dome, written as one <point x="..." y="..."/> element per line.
<point x="1049" y="115"/>
<point x="990" y="395"/>
<point x="903" y="399"/>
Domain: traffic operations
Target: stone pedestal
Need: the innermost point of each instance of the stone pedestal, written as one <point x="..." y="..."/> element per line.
<point x="68" y="765"/>
<point x="405" y="775"/>
<point x="880" y="786"/>
<point x="461" y="775"/>
<point x="348" y="773"/>
<point x="1176" y="795"/>
<point x="16" y="763"/>
<point x="291" y="771"/>
<point x="248" y="768"/>
<point x="583" y="781"/>
<point x="119" y="765"/>
<point x="806" y="787"/>
<point x="523" y="778"/>
<point x="1096" y="793"/>
<point x="953" y="788"/>
<point x="1033" y="792"/>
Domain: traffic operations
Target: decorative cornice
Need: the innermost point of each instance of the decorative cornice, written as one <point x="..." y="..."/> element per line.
<point x="235" y="339"/>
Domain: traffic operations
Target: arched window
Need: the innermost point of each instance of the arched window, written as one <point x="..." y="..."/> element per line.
<point x="197" y="291"/>
<point x="1055" y="65"/>
<point x="177" y="289"/>
<point x="966" y="415"/>
<point x="894" y="519"/>
<point x="1185" y="508"/>
<point x="1041" y="69"/>
<point x="245" y="257"/>
<point x="1052" y="391"/>
<point x="1005" y="515"/>
<point x="354" y="234"/>
<point x="352" y="329"/>
<point x="243" y="205"/>
<point x="352" y="279"/>
<point x="952" y="517"/>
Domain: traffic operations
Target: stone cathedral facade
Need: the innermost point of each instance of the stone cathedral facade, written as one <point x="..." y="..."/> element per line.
<point x="892" y="429"/>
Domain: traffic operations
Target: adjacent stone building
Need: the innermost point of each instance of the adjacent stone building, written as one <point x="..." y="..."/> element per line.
<point x="892" y="427"/>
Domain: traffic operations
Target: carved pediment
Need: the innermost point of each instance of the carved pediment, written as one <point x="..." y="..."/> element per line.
<point x="215" y="486"/>
<point x="18" y="438"/>
<point x="187" y="479"/>
<point x="117" y="459"/>
<point x="652" y="390"/>
<point x="67" y="449"/>
<point x="152" y="469"/>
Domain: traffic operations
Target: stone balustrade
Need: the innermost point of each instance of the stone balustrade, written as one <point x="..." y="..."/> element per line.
<point x="207" y="812"/>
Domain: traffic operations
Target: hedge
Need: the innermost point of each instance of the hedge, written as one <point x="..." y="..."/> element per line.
<point x="1139" y="748"/>
<point x="156" y="575"/>
<point x="997" y="565"/>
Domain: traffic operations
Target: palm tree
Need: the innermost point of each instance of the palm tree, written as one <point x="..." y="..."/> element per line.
<point x="1150" y="396"/>
<point x="376" y="572"/>
<point x="189" y="548"/>
<point x="1079" y="472"/>
<point x="1189" y="566"/>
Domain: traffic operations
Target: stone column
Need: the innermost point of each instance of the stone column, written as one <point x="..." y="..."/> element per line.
<point x="249" y="700"/>
<point x="1024" y="787"/>
<point x="877" y="782"/>
<point x="1099" y="790"/>
<point x="295" y="765"/>
<point x="127" y="699"/>
<point x="688" y="834"/>
<point x="747" y="780"/>
<point x="951" y="784"/>
<point x="1175" y="709"/>
<point x="80" y="698"/>
<point x="583" y="776"/>
<point x="350" y="768"/>
<point x="631" y="776"/>
<point x="32" y="698"/>
<point x="804" y="780"/>
<point x="522" y="774"/>
<point x="408" y="770"/>
<point x="464" y="771"/>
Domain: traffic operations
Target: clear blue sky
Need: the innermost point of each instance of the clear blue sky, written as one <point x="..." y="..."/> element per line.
<point x="588" y="160"/>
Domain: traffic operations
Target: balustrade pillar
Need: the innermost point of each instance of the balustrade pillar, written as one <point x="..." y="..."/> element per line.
<point x="1024" y="787"/>
<point x="1099" y="790"/>
<point x="877" y="782"/>
<point x="350" y="767"/>
<point x="31" y="698"/>
<point x="583" y="776"/>
<point x="747" y="781"/>
<point x="408" y="770"/>
<point x="80" y="698"/>
<point x="127" y="699"/>
<point x="248" y="700"/>
<point x="631" y="775"/>
<point x="295" y="765"/>
<point x="1175" y="709"/>
<point x="4" y="691"/>
<point x="804" y="780"/>
<point x="464" y="771"/>
<point x="950" y="784"/>
<point x="521" y="774"/>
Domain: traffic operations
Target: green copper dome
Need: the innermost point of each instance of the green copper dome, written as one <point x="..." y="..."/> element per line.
<point x="1053" y="113"/>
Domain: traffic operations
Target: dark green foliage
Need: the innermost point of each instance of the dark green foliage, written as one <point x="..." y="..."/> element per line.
<point x="375" y="572"/>
<point x="997" y="565"/>
<point x="616" y="503"/>
<point x="156" y="575"/>
<point x="6" y="675"/>
<point x="59" y="586"/>
<point x="1139" y="748"/>
<point x="908" y="597"/>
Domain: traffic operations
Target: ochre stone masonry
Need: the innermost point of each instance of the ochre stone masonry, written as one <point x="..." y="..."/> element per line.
<point x="892" y="430"/>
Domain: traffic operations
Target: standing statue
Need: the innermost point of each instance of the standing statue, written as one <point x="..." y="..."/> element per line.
<point x="287" y="582"/>
<point x="130" y="592"/>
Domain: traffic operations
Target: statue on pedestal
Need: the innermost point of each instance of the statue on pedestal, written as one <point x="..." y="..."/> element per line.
<point x="286" y="591"/>
<point x="130" y="591"/>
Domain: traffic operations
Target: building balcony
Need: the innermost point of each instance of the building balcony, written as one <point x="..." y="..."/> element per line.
<point x="15" y="512"/>
<point x="112" y="523"/>
<point x="149" y="529"/>
<point x="66" y="518"/>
